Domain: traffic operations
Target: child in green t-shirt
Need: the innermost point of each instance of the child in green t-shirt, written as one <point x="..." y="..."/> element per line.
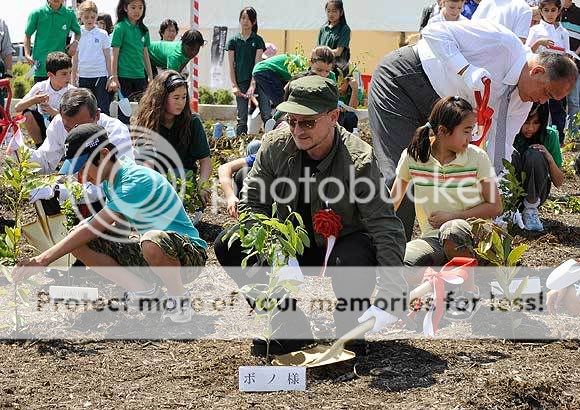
<point x="52" y="24"/>
<point x="537" y="154"/>
<point x="350" y="96"/>
<point x="244" y="51"/>
<point x="130" y="44"/>
<point x="335" y="33"/>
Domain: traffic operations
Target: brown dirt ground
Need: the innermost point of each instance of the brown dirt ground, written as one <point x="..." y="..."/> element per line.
<point x="447" y="374"/>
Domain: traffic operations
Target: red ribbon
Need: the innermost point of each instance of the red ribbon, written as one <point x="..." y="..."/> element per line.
<point x="7" y="122"/>
<point x="455" y="268"/>
<point x="327" y="223"/>
<point x="10" y="123"/>
<point x="484" y="112"/>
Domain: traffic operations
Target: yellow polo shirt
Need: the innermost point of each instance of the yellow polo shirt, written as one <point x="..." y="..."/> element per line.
<point x="451" y="187"/>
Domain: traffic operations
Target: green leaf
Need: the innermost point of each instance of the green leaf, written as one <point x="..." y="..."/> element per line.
<point x="516" y="254"/>
<point x="497" y="246"/>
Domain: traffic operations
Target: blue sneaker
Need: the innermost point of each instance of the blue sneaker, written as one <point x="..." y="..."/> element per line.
<point x="532" y="221"/>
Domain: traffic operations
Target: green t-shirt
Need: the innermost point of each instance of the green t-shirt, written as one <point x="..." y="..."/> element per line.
<point x="130" y="41"/>
<point x="334" y="37"/>
<point x="245" y="54"/>
<point x="149" y="202"/>
<point x="279" y="65"/>
<point x="550" y="139"/>
<point x="194" y="146"/>
<point x="167" y="55"/>
<point x="52" y="28"/>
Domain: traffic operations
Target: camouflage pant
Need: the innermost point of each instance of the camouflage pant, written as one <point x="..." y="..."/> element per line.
<point x="130" y="254"/>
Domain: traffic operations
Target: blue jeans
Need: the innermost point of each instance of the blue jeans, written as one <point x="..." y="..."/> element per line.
<point x="270" y="92"/>
<point x="98" y="86"/>
<point x="573" y="105"/>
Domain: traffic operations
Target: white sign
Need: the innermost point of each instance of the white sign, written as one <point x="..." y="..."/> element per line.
<point x="533" y="287"/>
<point x="272" y="378"/>
<point x="73" y="293"/>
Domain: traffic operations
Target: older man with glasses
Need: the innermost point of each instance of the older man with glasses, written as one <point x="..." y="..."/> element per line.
<point x="311" y="165"/>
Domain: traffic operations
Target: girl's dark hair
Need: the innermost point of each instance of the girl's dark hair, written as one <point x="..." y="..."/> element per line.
<point x="338" y="4"/>
<point x="153" y="105"/>
<point x="543" y="3"/>
<point x="106" y="18"/>
<point x="448" y="112"/>
<point x="122" y="14"/>
<point x="166" y="23"/>
<point x="252" y="15"/>
<point x="543" y="113"/>
<point x="322" y="54"/>
<point x="192" y="37"/>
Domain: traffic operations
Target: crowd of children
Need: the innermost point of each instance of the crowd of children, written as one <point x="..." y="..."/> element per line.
<point x="106" y="58"/>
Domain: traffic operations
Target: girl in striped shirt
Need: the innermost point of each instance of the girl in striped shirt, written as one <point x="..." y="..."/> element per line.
<point x="452" y="180"/>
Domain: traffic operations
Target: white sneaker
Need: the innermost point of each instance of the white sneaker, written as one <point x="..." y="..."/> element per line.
<point x="178" y="310"/>
<point x="531" y="218"/>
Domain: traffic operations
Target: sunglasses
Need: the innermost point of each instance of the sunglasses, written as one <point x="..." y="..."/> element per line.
<point x="304" y="124"/>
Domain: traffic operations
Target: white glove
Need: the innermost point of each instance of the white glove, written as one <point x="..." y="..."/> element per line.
<point x="62" y="193"/>
<point x="473" y="78"/>
<point x="382" y="318"/>
<point x="291" y="272"/>
<point x="46" y="192"/>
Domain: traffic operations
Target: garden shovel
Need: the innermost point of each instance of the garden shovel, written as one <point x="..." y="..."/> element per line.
<point x="322" y="355"/>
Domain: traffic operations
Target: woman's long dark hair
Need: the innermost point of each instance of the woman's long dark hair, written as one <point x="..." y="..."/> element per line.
<point x="338" y="4"/>
<point x="252" y="15"/>
<point x="153" y="102"/>
<point x="122" y="14"/>
<point x="543" y="113"/>
<point x="448" y="112"/>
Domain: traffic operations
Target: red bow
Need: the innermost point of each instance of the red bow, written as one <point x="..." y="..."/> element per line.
<point x="484" y="112"/>
<point x="10" y="123"/>
<point x="455" y="271"/>
<point x="7" y="122"/>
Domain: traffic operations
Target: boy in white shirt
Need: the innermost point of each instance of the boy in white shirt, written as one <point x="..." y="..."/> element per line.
<point x="451" y="11"/>
<point x="92" y="63"/>
<point x="42" y="102"/>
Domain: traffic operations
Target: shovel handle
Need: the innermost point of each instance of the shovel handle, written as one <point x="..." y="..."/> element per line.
<point x="366" y="326"/>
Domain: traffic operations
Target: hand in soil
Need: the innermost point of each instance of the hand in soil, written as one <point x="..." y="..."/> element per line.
<point x="27" y="268"/>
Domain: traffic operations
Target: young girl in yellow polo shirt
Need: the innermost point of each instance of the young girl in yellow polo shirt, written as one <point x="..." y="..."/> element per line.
<point x="452" y="179"/>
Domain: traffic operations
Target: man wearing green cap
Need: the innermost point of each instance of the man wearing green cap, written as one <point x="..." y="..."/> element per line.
<point x="169" y="245"/>
<point x="312" y="165"/>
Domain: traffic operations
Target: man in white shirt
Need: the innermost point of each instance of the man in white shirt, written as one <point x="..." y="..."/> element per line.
<point x="516" y="15"/>
<point x="453" y="59"/>
<point x="78" y="107"/>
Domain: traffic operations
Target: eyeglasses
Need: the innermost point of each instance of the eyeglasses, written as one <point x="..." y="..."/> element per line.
<point x="175" y="81"/>
<point x="304" y="124"/>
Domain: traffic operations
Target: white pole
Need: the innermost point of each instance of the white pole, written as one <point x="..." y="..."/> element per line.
<point x="194" y="73"/>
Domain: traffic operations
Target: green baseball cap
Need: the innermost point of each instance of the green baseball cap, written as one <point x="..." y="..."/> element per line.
<point x="310" y="95"/>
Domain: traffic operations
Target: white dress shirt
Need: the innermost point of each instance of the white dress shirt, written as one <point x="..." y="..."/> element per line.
<point x="516" y="15"/>
<point x="446" y="49"/>
<point x="53" y="149"/>
<point x="559" y="35"/>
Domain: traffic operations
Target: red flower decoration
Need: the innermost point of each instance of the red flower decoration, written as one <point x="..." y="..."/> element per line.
<point x="327" y="223"/>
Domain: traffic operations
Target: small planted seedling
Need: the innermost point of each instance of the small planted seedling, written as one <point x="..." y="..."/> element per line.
<point x="495" y="245"/>
<point x="19" y="177"/>
<point x="271" y="242"/>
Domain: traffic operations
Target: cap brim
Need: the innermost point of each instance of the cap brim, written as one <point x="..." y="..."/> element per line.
<point x="564" y="275"/>
<point x="299" y="109"/>
<point x="72" y="166"/>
